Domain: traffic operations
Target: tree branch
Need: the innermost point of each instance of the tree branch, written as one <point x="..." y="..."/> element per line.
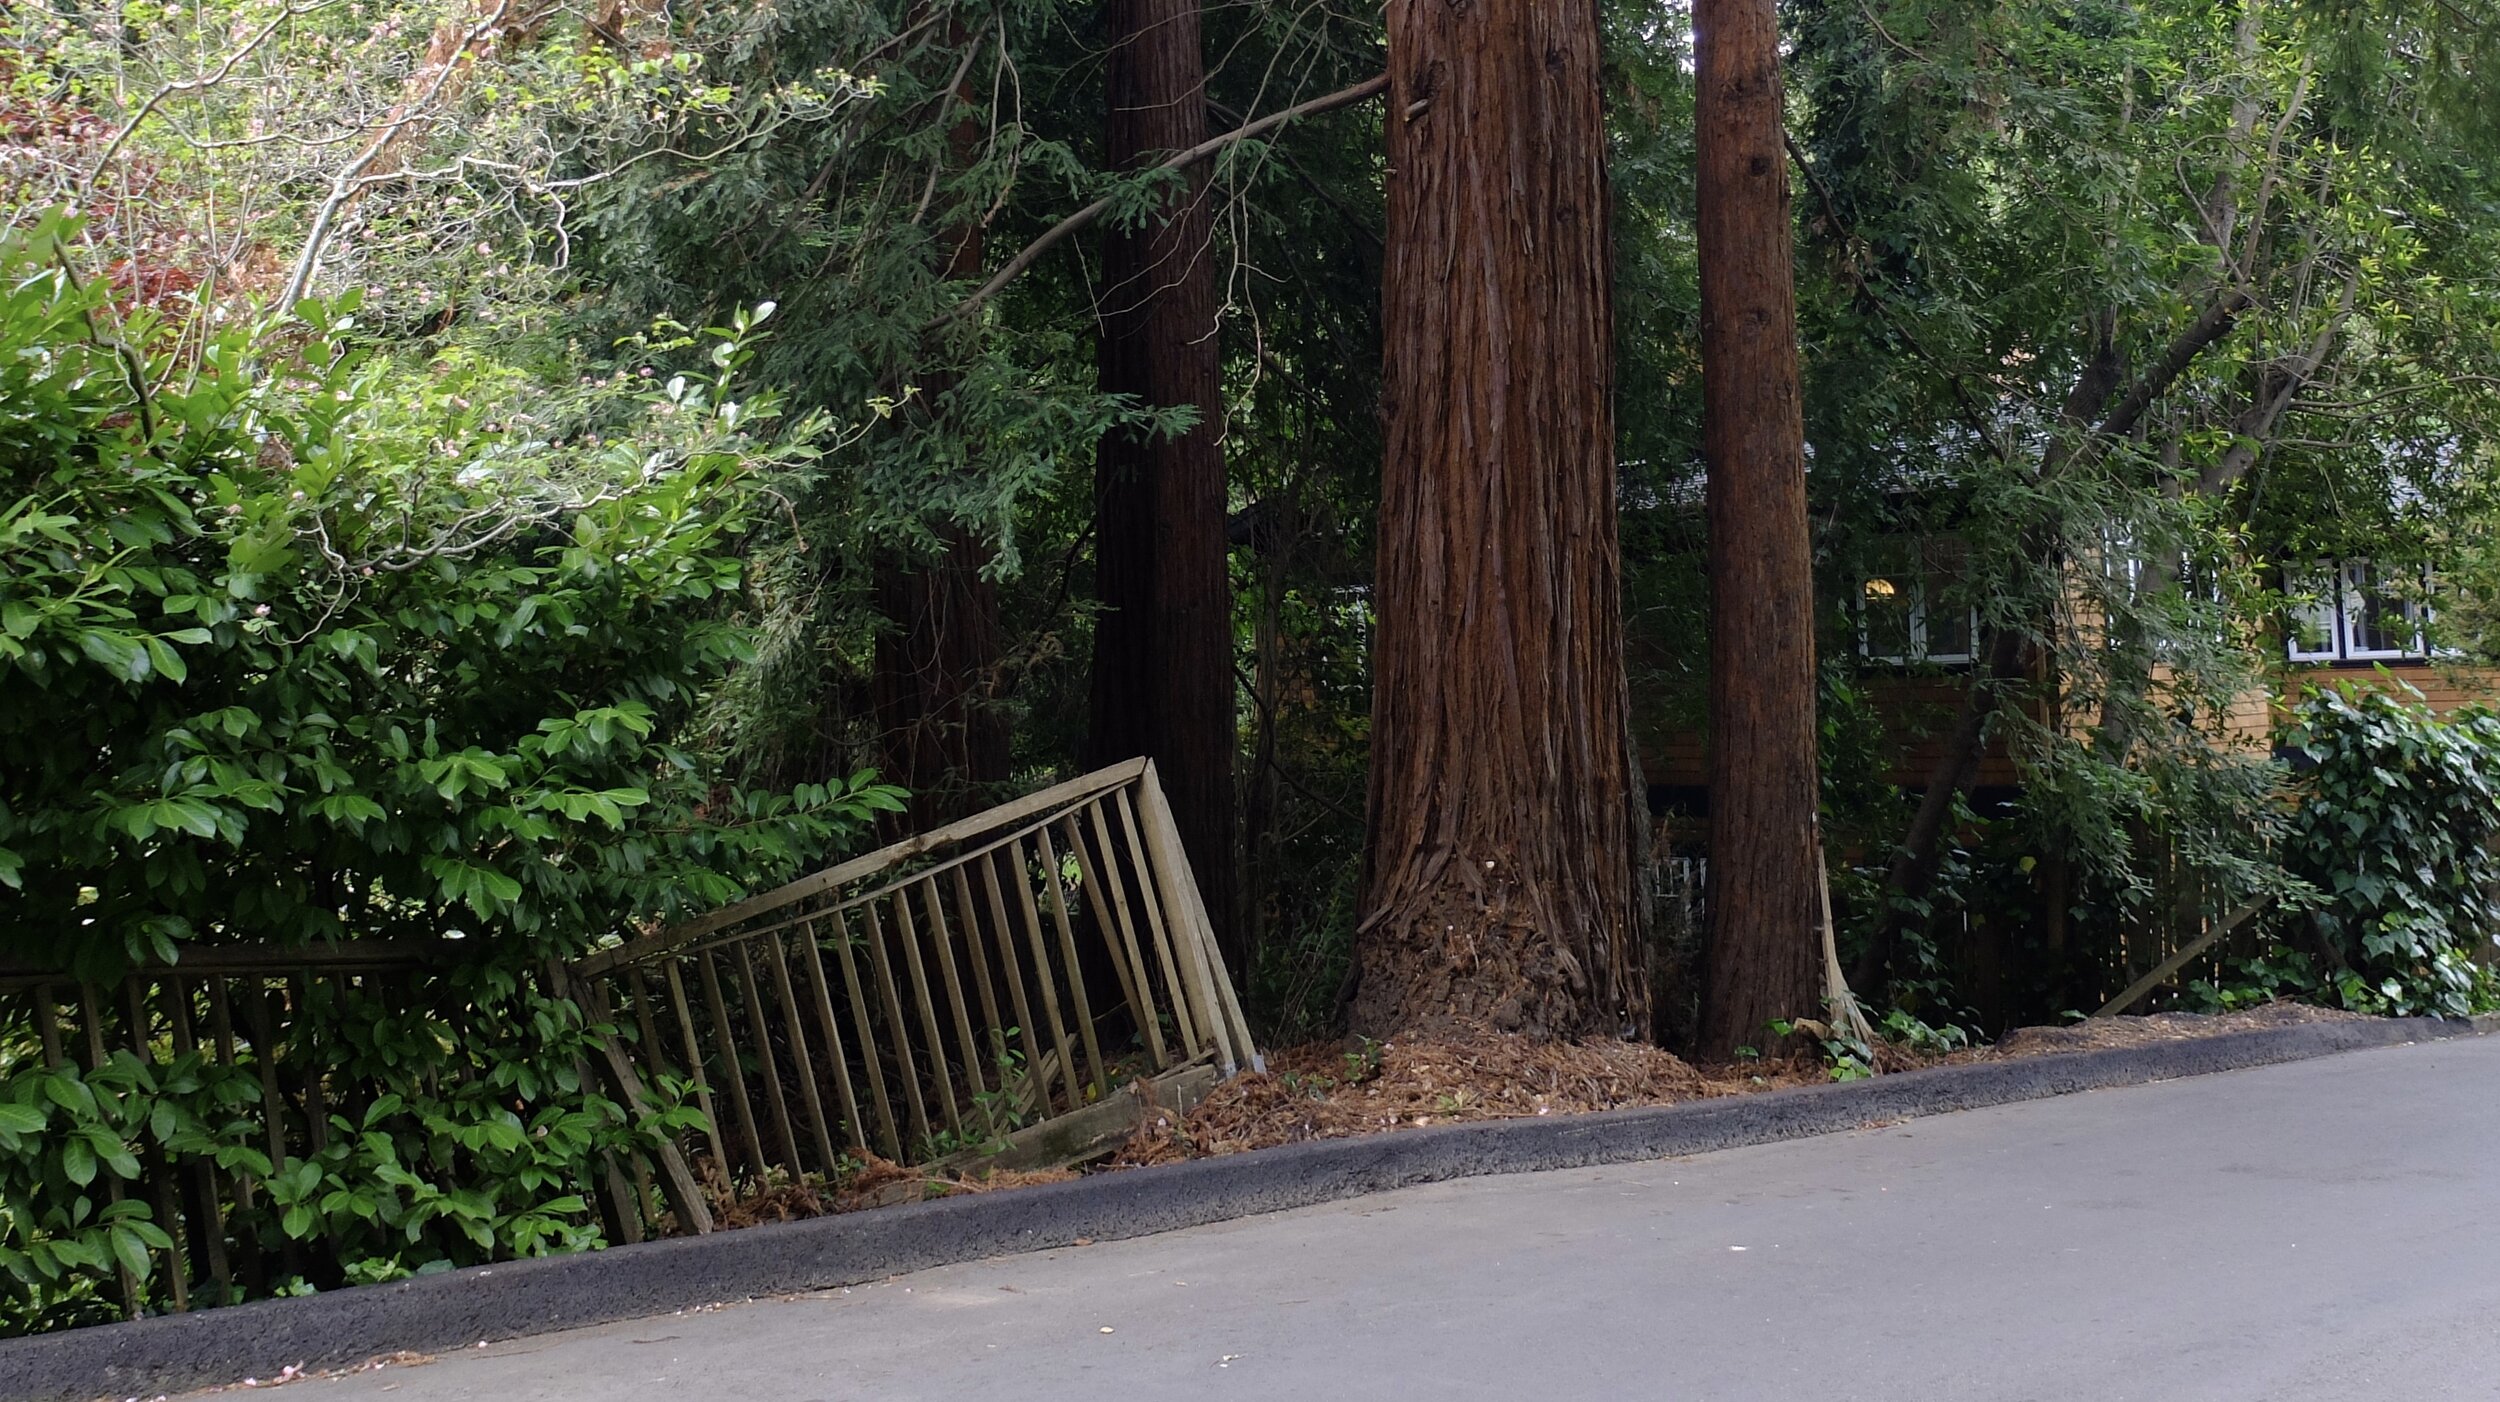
<point x="130" y="127"/>
<point x="1076" y="223"/>
<point x="2011" y="652"/>
<point x="348" y="181"/>
<point x="2250" y="431"/>
<point x="2214" y="323"/>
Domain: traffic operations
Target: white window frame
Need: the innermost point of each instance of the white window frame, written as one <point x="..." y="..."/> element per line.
<point x="1918" y="633"/>
<point x="1917" y="615"/>
<point x="2355" y="580"/>
<point x="2324" y="581"/>
<point x="2343" y="585"/>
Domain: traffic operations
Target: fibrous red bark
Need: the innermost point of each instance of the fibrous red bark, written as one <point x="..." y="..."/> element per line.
<point x="1762" y="960"/>
<point x="1498" y="889"/>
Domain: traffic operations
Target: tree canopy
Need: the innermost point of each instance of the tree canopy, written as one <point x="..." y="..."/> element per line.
<point x="514" y="471"/>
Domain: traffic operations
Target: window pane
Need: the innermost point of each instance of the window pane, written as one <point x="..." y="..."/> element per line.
<point x="1945" y="565"/>
<point x="1948" y="632"/>
<point x="2379" y="621"/>
<point x="1886" y="603"/>
<point x="2312" y="596"/>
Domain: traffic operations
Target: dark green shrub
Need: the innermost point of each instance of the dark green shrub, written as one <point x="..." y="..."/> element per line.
<point x="301" y="644"/>
<point x="2397" y="819"/>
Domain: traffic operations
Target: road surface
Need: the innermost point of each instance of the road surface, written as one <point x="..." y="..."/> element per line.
<point x="2328" y="1229"/>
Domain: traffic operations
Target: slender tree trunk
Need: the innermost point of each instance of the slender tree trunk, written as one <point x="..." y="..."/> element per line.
<point x="1163" y="647"/>
<point x="1763" y="960"/>
<point x="1498" y="888"/>
<point x="1261" y="792"/>
<point x="938" y="733"/>
<point x="935" y="668"/>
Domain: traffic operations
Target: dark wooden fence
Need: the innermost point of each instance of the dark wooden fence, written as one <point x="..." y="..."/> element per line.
<point x="924" y="1001"/>
<point x="2187" y="931"/>
<point x="239" y="1008"/>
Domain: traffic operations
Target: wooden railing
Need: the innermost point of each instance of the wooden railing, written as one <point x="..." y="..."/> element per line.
<point x="938" y="994"/>
<point x="925" y="1000"/>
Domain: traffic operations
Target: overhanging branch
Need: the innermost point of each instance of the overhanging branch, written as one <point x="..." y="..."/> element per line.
<point x="1076" y="223"/>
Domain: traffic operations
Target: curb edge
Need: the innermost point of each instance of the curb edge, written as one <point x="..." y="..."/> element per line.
<point x="456" y="1309"/>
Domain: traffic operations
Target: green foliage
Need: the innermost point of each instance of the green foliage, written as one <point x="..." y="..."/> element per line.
<point x="1900" y="1033"/>
<point x="305" y="644"/>
<point x="2009" y="216"/>
<point x="68" y="1140"/>
<point x="470" y="1148"/>
<point x="2278" y="974"/>
<point x="2399" y="830"/>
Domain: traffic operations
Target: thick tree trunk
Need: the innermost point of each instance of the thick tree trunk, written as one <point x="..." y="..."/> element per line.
<point x="1498" y="889"/>
<point x="1163" y="646"/>
<point x="1763" y="959"/>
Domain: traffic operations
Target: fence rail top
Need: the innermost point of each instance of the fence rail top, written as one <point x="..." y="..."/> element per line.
<point x="1073" y="791"/>
<point x="244" y="961"/>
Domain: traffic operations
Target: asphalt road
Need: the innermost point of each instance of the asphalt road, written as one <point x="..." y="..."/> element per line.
<point x="2328" y="1229"/>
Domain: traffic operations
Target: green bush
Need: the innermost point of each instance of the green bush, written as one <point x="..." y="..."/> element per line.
<point x="2398" y="817"/>
<point x="469" y="1138"/>
<point x="305" y="644"/>
<point x="302" y="643"/>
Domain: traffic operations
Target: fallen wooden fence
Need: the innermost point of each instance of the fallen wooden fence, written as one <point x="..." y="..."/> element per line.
<point x="935" y="996"/>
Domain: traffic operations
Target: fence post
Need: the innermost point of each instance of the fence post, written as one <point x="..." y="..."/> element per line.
<point x="617" y="1071"/>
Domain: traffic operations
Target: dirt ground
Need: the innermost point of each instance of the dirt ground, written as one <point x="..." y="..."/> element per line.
<point x="1335" y="1090"/>
<point x="1326" y="1091"/>
<point x="1329" y="1090"/>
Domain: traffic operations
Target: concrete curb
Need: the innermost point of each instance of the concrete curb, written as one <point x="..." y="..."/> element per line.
<point x="460" y="1308"/>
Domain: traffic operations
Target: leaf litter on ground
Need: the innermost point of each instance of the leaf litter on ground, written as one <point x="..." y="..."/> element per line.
<point x="1339" y="1090"/>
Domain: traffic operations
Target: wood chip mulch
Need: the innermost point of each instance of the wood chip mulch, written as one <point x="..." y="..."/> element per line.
<point x="1330" y="1091"/>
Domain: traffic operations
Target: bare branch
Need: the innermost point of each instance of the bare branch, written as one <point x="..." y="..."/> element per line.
<point x="2253" y="426"/>
<point x="348" y="181"/>
<point x="2273" y="176"/>
<point x="169" y="91"/>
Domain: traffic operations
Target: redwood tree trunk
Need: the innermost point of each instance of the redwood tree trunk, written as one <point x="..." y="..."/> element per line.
<point x="938" y="733"/>
<point x="1763" y="955"/>
<point x="1498" y="891"/>
<point x="1163" y="646"/>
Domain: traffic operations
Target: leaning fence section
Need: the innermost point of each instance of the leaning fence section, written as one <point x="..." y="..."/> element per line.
<point x="931" y="997"/>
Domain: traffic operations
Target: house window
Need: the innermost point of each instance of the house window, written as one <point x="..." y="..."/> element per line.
<point x="1903" y="613"/>
<point x="2356" y="611"/>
